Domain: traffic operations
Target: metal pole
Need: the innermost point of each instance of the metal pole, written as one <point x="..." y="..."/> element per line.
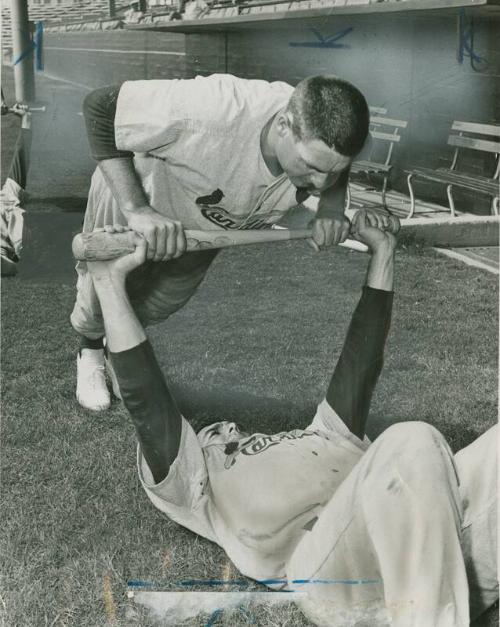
<point x="22" y="46"/>
<point x="111" y="8"/>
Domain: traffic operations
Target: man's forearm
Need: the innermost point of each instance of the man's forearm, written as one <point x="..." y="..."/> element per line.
<point x="125" y="185"/>
<point x="123" y="329"/>
<point x="381" y="270"/>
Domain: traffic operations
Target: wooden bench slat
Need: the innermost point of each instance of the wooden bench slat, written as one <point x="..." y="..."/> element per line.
<point x="474" y="127"/>
<point x="378" y="110"/>
<point x="472" y="185"/>
<point x="474" y="144"/>
<point x="450" y="177"/>
<point x="457" y="175"/>
<point x="370" y="166"/>
<point x="388" y="122"/>
<point x="385" y="136"/>
<point x="467" y="175"/>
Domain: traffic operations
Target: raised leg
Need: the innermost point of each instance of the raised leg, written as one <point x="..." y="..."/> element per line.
<point x="386" y="549"/>
<point x="156" y="291"/>
<point x="477" y="470"/>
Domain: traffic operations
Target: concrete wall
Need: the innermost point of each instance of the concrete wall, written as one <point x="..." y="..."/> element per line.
<point x="101" y="58"/>
<point x="407" y="64"/>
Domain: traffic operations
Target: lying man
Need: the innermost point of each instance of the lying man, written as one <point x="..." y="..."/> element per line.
<point x="374" y="534"/>
<point x="216" y="152"/>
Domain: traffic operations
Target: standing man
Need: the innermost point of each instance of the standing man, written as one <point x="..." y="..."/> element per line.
<point x="208" y="153"/>
<point x="399" y="532"/>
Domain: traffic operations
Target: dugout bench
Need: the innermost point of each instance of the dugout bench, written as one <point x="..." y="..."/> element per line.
<point x="385" y="134"/>
<point x="464" y="136"/>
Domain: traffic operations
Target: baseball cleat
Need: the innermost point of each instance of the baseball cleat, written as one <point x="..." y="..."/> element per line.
<point x="91" y="389"/>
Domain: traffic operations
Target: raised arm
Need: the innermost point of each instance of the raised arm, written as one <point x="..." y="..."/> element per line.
<point x="155" y="415"/>
<point x="360" y="363"/>
<point x="165" y="237"/>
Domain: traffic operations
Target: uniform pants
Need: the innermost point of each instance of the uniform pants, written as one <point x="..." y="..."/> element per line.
<point x="406" y="535"/>
<point x="156" y="290"/>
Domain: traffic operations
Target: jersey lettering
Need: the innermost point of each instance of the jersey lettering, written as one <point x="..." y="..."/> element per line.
<point x="220" y="217"/>
<point x="265" y="442"/>
<point x="256" y="445"/>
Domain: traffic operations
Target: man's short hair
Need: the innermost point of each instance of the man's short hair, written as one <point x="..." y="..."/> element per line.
<point x="332" y="110"/>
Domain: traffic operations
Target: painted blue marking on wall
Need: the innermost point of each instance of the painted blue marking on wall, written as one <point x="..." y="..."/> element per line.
<point x="39" y="46"/>
<point x="35" y="45"/>
<point x="323" y="42"/>
<point x="466" y="41"/>
<point x="27" y="51"/>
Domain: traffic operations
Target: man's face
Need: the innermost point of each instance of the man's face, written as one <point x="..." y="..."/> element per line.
<point x="220" y="433"/>
<point x="309" y="164"/>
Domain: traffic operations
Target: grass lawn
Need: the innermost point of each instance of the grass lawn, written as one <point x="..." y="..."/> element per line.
<point x="255" y="345"/>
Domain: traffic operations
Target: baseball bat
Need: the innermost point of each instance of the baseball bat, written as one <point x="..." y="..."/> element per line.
<point x="102" y="246"/>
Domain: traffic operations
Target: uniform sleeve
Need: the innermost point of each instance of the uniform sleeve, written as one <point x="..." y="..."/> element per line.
<point x="99" y="110"/>
<point x="184" y="494"/>
<point x="152" y="408"/>
<point x="327" y="420"/>
<point x="180" y="488"/>
<point x="360" y="363"/>
<point x="152" y="114"/>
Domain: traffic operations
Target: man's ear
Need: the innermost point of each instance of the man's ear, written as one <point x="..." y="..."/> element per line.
<point x="284" y="123"/>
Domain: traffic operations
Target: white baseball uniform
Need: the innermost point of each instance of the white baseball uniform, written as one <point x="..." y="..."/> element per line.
<point x="367" y="530"/>
<point x="398" y="530"/>
<point x="198" y="156"/>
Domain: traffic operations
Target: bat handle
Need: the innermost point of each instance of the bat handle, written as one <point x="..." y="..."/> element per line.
<point x="102" y="246"/>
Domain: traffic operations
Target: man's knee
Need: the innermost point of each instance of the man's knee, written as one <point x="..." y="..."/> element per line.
<point x="414" y="434"/>
<point x="417" y="450"/>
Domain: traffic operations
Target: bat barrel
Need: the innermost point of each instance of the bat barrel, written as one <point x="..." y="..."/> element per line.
<point x="102" y="246"/>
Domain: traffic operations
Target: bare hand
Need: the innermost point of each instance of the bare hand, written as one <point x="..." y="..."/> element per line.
<point x="375" y="238"/>
<point x="165" y="237"/>
<point x="329" y="232"/>
<point x="121" y="266"/>
<point x="380" y="219"/>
